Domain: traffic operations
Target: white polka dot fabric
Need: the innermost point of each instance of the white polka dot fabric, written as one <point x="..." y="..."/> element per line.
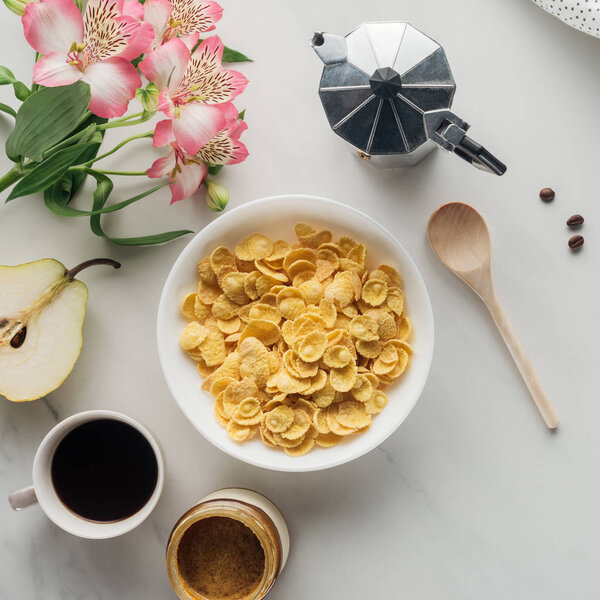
<point x="581" y="14"/>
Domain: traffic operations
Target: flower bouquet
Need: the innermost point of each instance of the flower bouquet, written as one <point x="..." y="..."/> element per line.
<point x="89" y="65"/>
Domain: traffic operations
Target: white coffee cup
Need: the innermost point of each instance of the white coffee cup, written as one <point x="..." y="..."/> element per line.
<point x="42" y="491"/>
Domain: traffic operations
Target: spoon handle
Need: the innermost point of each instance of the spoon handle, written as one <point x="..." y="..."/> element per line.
<point x="523" y="363"/>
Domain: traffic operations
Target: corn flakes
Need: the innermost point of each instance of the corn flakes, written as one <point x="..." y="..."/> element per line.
<point x="295" y="341"/>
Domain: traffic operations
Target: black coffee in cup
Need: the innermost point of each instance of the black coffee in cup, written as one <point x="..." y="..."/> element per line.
<point x="104" y="470"/>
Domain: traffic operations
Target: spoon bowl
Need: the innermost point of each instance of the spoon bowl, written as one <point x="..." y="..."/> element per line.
<point x="459" y="236"/>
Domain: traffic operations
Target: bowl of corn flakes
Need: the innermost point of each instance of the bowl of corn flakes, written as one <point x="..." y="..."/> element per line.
<point x="295" y="333"/>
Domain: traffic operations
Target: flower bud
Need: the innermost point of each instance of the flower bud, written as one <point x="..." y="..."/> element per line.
<point x="217" y="196"/>
<point x="17" y="6"/>
<point x="148" y="97"/>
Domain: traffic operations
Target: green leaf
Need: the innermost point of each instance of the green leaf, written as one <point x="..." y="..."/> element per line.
<point x="77" y="138"/>
<point x="91" y="118"/>
<point x="242" y="114"/>
<point x="59" y="193"/>
<point x="78" y="177"/>
<point x="8" y="110"/>
<point x="103" y="189"/>
<point x="233" y="56"/>
<point x="149" y="240"/>
<point x="229" y="54"/>
<point x="50" y="171"/>
<point x="22" y="92"/>
<point x="6" y="76"/>
<point x="57" y="202"/>
<point x="63" y="191"/>
<point x="45" y="118"/>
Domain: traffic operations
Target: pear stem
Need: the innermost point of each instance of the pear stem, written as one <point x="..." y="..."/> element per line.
<point x="90" y="263"/>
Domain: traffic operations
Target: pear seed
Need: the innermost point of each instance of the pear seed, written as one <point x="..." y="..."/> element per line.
<point x="18" y="338"/>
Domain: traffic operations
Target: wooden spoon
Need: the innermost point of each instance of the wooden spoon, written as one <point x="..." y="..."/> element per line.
<point x="460" y="238"/>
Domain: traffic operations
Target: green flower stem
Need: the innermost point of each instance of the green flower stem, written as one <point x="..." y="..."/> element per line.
<point x="13" y="175"/>
<point x="111" y="125"/>
<point x="133" y="116"/>
<point x="66" y="142"/>
<point x="88" y="170"/>
<point x="126" y="121"/>
<point x="139" y="136"/>
<point x="34" y="86"/>
<point x="131" y="173"/>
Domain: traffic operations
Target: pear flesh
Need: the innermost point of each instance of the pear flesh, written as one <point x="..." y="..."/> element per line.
<point x="42" y="309"/>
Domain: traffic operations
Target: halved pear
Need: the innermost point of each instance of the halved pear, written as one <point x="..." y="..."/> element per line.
<point x="42" y="308"/>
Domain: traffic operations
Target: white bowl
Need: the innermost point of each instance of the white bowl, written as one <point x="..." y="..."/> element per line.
<point x="276" y="217"/>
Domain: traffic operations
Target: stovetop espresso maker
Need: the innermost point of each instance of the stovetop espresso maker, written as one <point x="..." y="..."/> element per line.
<point x="387" y="90"/>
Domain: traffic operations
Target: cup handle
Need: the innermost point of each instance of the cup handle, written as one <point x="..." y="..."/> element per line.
<point x="22" y="499"/>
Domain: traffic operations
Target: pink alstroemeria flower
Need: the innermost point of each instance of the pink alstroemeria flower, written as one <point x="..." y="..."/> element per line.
<point x="185" y="19"/>
<point x="187" y="173"/>
<point x="225" y="148"/>
<point x="95" y="48"/>
<point x="194" y="89"/>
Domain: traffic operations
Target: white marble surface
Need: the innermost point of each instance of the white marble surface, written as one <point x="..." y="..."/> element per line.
<point x="472" y="498"/>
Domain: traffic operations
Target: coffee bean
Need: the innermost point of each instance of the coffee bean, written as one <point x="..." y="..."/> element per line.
<point x="547" y="194"/>
<point x="575" y="221"/>
<point x="576" y="242"/>
<point x="3" y="322"/>
<point x="18" y="338"/>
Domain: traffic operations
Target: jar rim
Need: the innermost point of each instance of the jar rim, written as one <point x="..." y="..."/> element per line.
<point x="250" y="515"/>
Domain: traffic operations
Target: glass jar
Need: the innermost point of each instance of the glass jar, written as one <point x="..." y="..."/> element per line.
<point x="257" y="513"/>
